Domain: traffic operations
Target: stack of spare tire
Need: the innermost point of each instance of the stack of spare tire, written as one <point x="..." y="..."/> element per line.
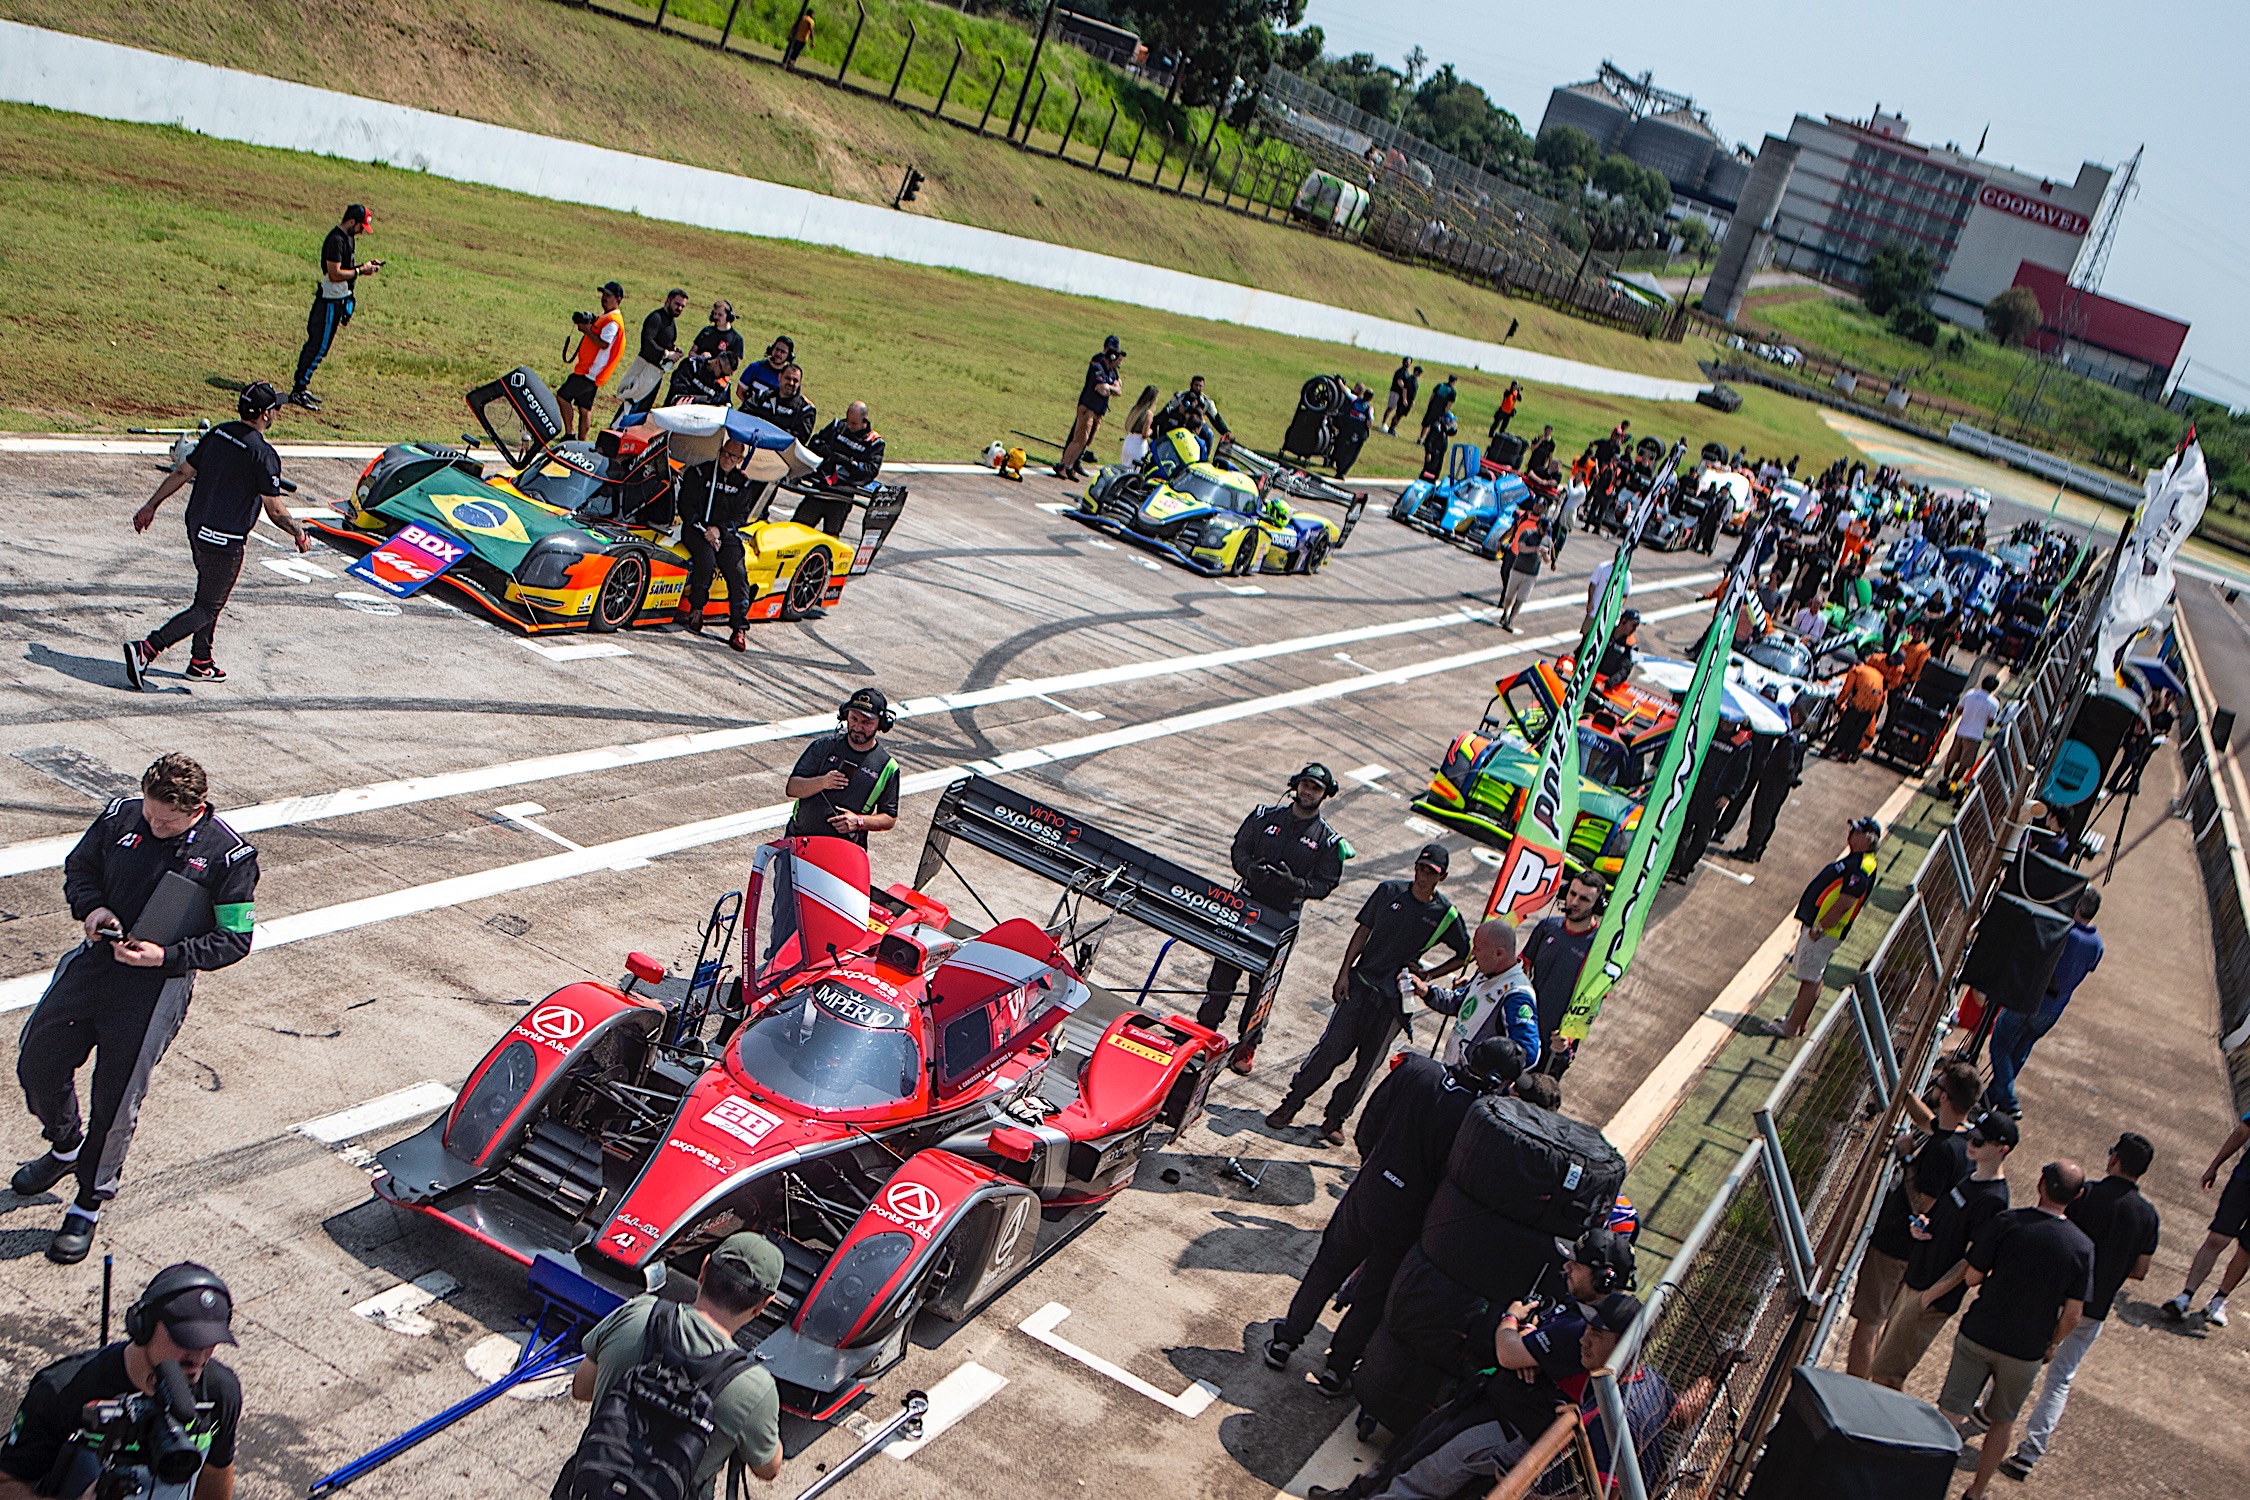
<point x="1312" y="431"/>
<point x="1522" y="1183"/>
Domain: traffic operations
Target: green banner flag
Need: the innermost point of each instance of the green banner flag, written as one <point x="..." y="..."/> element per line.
<point x="1650" y="853"/>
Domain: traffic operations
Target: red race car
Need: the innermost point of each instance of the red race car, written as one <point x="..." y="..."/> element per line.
<point x="910" y="1109"/>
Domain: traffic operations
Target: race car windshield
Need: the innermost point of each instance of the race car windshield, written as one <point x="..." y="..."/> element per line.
<point x="1215" y="492"/>
<point x="830" y="1047"/>
<point x="565" y="485"/>
<point x="1785" y="657"/>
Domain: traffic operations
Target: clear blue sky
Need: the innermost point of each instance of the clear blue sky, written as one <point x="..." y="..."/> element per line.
<point x="2059" y="83"/>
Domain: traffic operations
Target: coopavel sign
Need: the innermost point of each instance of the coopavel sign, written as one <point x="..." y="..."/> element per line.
<point x="2046" y="215"/>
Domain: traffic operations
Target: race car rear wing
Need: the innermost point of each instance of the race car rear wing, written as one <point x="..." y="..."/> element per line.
<point x="879" y="505"/>
<point x="1209" y="916"/>
<point x="1298" y="484"/>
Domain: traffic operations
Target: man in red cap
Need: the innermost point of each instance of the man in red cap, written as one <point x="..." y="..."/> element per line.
<point x="334" y="297"/>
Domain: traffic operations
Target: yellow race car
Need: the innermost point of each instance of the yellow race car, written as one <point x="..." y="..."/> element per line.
<point x="1214" y="517"/>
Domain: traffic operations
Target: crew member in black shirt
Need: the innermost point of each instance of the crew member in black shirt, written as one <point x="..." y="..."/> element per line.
<point x="2034" y="1274"/>
<point x="120" y="995"/>
<point x="851" y="456"/>
<point x="1285" y="854"/>
<point x="180" y="1321"/>
<point x="1932" y="1167"/>
<point x="783" y="404"/>
<point x="334" y="297"/>
<point x="1554" y="951"/>
<point x="702" y="379"/>
<point x="1400" y="921"/>
<point x="1404" y="1137"/>
<point x="2123" y="1226"/>
<point x="846" y="784"/>
<point x="658" y="351"/>
<point x="720" y="336"/>
<point x="236" y="474"/>
<point x="1191" y="411"/>
<point x="1936" y="1268"/>
<point x="1103" y="375"/>
<point x="714" y="507"/>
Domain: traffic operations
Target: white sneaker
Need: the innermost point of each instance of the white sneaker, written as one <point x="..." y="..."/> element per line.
<point x="2215" y="1311"/>
<point x="2176" y="1310"/>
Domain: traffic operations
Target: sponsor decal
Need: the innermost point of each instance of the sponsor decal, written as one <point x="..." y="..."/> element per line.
<point x="482" y="517"/>
<point x="708" y="1158"/>
<point x="847" y="1004"/>
<point x="413" y="558"/>
<point x="199" y="865"/>
<point x="624" y="1239"/>
<point x="1226" y="905"/>
<point x="555" y="1025"/>
<point x="745" y="1121"/>
<point x="130" y="841"/>
<point x="1040" y="822"/>
<point x="910" y="1205"/>
<point x="2046" y="215"/>
<point x="643" y="1225"/>
<point x="1140" y="1049"/>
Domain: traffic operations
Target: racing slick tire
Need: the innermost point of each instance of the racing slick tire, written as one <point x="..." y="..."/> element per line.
<point x="1400" y="510"/>
<point x="1314" y="555"/>
<point x="623" y="588"/>
<point x="808" y="587"/>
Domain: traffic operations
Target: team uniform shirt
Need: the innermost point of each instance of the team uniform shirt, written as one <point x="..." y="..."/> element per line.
<point x="660" y="331"/>
<point x="1933" y="1170"/>
<point x="2033" y="1262"/>
<point x="848" y="459"/>
<point x="235" y="469"/>
<point x="2123" y="1226"/>
<point x="1524" y="547"/>
<point x="1487" y="1005"/>
<point x="1404" y="1137"/>
<point x="765" y="374"/>
<point x="1400" y="930"/>
<point x="792" y="414"/>
<point x="1956" y="1219"/>
<point x="54" y="1404"/>
<point x="1832" y="901"/>
<point x="695" y="380"/>
<point x="600" y="347"/>
<point x="873" y="787"/>
<point x="746" y="1412"/>
<point x="1099" y="373"/>
<point x="716" y="340"/>
<point x="1554" y="955"/>
<point x="118" y="863"/>
<point x="342" y="249"/>
<point x="1286" y="860"/>
<point x="712" y="496"/>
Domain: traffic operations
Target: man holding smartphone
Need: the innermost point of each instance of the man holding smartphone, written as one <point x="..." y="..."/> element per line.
<point x="334" y="297"/>
<point x="121" y="995"/>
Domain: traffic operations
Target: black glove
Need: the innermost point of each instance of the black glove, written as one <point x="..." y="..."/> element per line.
<point x="1279" y="876"/>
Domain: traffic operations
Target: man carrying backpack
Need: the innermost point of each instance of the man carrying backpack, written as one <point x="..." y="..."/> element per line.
<point x="653" y="1359"/>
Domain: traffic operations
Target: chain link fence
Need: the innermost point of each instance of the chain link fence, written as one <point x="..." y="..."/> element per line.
<point x="1759" y="1281"/>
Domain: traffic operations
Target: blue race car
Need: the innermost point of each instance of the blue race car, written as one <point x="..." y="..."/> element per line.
<point x="1464" y="508"/>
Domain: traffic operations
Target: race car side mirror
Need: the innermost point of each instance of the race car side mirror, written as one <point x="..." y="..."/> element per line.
<point x="643" y="968"/>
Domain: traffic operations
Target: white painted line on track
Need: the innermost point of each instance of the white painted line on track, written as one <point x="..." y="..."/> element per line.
<point x="962" y="1391"/>
<point x="571" y="650"/>
<point x="423" y="1098"/>
<point x="1190" y="1403"/>
<point x="296" y="569"/>
<point x="617" y="854"/>
<point x="1054" y="507"/>
<point x="1368" y="775"/>
<point x="47" y="853"/>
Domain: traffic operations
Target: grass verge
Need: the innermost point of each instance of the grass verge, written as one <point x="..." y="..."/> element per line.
<point x="146" y="268"/>
<point x="545" y="67"/>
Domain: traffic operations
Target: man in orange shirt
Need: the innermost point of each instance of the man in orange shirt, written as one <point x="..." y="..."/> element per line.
<point x="1858" y="701"/>
<point x="800" y="37"/>
<point x="1913" y="654"/>
<point x="601" y="349"/>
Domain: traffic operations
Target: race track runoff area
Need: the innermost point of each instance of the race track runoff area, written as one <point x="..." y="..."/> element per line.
<point x="557" y="813"/>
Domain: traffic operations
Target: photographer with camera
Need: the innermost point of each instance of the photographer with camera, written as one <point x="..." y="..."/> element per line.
<point x="163" y="889"/>
<point x="601" y="346"/>
<point x="152" y="1416"/>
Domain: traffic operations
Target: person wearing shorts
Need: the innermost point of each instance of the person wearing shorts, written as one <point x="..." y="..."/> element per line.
<point x="2231" y="1222"/>
<point x="1830" y="903"/>
<point x="1937" y="1269"/>
<point x="1932" y="1162"/>
<point x="601" y="347"/>
<point x="2034" y="1273"/>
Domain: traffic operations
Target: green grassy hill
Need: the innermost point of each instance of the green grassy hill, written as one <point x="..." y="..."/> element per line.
<point x="144" y="271"/>
<point x="546" y="67"/>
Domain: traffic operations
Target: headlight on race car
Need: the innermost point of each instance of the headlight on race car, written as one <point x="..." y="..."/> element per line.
<point x="546" y="567"/>
<point x="493" y="1102"/>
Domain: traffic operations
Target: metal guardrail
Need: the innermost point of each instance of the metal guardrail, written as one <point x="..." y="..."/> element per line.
<point x="2215" y="823"/>
<point x="1757" y="1283"/>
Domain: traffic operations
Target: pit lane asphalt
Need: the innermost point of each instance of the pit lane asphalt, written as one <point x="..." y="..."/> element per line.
<point x="978" y="587"/>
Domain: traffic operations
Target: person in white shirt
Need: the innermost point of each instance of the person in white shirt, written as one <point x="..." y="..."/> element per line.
<point x="1979" y="706"/>
<point x="1496" y="999"/>
<point x="1600" y="581"/>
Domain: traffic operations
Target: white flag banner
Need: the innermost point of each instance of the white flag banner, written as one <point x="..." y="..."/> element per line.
<point x="2177" y="494"/>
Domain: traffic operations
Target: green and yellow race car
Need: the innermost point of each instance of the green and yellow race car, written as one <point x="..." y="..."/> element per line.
<point x="1225" y="515"/>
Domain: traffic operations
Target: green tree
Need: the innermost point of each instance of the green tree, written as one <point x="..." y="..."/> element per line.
<point x="1567" y="151"/>
<point x="1217" y="41"/>
<point x="1896" y="277"/>
<point x="1455" y="115"/>
<point x="2013" y="316"/>
<point x="1914" y="321"/>
<point x="1696" y="240"/>
<point x="1299" y="51"/>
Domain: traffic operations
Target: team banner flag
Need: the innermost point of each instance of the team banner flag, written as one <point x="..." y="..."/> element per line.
<point x="2177" y="495"/>
<point x="1650" y="854"/>
<point x="1531" y="870"/>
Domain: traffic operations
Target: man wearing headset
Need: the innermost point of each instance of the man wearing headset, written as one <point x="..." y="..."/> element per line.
<point x="1285" y="854"/>
<point x="846" y="784"/>
<point x="181" y="1319"/>
<point x="236" y="475"/>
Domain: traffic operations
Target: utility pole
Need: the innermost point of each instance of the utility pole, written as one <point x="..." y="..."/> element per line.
<point x="1037" y="46"/>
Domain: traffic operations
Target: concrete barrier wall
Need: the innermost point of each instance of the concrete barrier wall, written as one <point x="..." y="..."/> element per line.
<point x="59" y="71"/>
<point x="2036" y="461"/>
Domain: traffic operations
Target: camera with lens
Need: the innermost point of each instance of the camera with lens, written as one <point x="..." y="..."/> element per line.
<point x="125" y="1441"/>
<point x="582" y="319"/>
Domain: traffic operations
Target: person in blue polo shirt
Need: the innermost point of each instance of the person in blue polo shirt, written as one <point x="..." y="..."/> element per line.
<point x="2015" y="1033"/>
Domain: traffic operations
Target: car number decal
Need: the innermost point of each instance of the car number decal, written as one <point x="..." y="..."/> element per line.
<point x="745" y="1121"/>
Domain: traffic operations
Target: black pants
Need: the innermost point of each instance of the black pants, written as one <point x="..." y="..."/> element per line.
<point x="123" y="1018"/>
<point x="1218" y="999"/>
<point x="216" y="571"/>
<point x="726" y="558"/>
<point x="823" y="513"/>
<point x="1851" y="728"/>
<point x="321" y="324"/>
<point x="1765" y="807"/>
<point x="1361" y="1029"/>
<point x="1348" y="1245"/>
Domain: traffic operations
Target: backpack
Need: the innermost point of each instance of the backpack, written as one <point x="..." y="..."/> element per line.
<point x="648" y="1433"/>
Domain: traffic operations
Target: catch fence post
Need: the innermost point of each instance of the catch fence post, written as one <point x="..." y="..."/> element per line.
<point x="937" y="110"/>
<point x="993" y="97"/>
<point x="1077" y="103"/>
<point x="853" y="45"/>
<point x="900" y="76"/>
<point x="728" y="29"/>
<point x="1103" y="148"/>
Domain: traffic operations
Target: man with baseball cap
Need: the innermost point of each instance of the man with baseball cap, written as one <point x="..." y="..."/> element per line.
<point x="183" y="1316"/>
<point x="1830" y="903"/>
<point x="1400" y="921"/>
<point x="335" y="296"/>
<point x="1103" y="377"/>
<point x="601" y="350"/>
<point x="738" y="1279"/>
<point x="846" y="784"/>
<point x="1285" y="855"/>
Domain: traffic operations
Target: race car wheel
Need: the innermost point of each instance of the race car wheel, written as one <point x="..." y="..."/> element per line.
<point x="1315" y="553"/>
<point x="1248" y="553"/>
<point x="808" y="588"/>
<point x="619" y="602"/>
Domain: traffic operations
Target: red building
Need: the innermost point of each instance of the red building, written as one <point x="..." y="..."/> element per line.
<point x="2100" y="337"/>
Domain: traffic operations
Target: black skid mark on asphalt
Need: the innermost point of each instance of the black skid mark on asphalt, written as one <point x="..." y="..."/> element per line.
<point x="986" y="670"/>
<point x="209" y="1080"/>
<point x="508" y="924"/>
<point x="308" y="1036"/>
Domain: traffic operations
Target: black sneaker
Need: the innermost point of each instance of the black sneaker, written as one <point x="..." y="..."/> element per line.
<point x="138" y="654"/>
<point x="71" y="1242"/>
<point x="2016" y="1467"/>
<point x="36" y="1176"/>
<point x="1278" y="1349"/>
<point x="305" y="399"/>
<point x="205" y="671"/>
<point x="1334" y="1382"/>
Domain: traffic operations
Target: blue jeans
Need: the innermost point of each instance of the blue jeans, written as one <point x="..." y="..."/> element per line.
<point x="2013" y="1037"/>
<point x="327" y="315"/>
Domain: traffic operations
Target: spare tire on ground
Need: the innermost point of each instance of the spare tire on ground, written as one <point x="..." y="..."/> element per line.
<point x="1539" y="1168"/>
<point x="1484" y="1250"/>
<point x="1721" y="398"/>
